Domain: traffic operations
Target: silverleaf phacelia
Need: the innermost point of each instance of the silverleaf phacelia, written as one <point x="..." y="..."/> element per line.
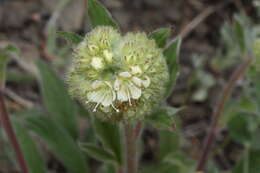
<point x="118" y="77"/>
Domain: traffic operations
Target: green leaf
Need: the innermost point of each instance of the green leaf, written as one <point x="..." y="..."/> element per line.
<point x="160" y="36"/>
<point x="253" y="162"/>
<point x="109" y="135"/>
<point x="72" y="38"/>
<point x="4" y="56"/>
<point x="247" y="104"/>
<point x="3" y="62"/>
<point x="17" y="77"/>
<point x="239" y="128"/>
<point x="99" y="15"/>
<point x="30" y="151"/>
<point x="240" y="34"/>
<point x="56" y="99"/>
<point x="108" y="168"/>
<point x="161" y="168"/>
<point x="255" y="143"/>
<point x="181" y="161"/>
<point x="60" y="142"/>
<point x="176" y="162"/>
<point x="163" y="117"/>
<point x="256" y="91"/>
<point x="12" y="49"/>
<point x="171" y="54"/>
<point x="98" y="153"/>
<point x="169" y="143"/>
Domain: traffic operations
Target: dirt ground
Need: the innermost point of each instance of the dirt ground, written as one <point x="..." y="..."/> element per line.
<point x="26" y="22"/>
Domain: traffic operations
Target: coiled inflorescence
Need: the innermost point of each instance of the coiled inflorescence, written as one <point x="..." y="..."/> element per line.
<point x="118" y="77"/>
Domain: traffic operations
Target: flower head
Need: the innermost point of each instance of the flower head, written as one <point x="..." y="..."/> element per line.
<point x="118" y="77"/>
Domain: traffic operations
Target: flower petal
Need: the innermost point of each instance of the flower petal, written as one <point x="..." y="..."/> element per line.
<point x="97" y="63"/>
<point x="125" y="74"/>
<point x="138" y="82"/>
<point x="96" y="84"/>
<point x="122" y="95"/>
<point x="117" y="84"/>
<point x="146" y="82"/>
<point x="108" y="99"/>
<point x="135" y="92"/>
<point x="136" y="70"/>
<point x="95" y="96"/>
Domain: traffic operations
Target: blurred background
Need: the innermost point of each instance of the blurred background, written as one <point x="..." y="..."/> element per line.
<point x="31" y="26"/>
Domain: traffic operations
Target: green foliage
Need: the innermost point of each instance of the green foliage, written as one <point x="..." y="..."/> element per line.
<point x="256" y="92"/>
<point x="99" y="15"/>
<point x="169" y="143"/>
<point x="72" y="38"/>
<point x="60" y="142"/>
<point x="33" y="157"/>
<point x="56" y="99"/>
<point x="59" y="129"/>
<point x="174" y="163"/>
<point x="252" y="165"/>
<point x="171" y="54"/>
<point x="4" y="56"/>
<point x="163" y="117"/>
<point x="108" y="168"/>
<point x="200" y="79"/>
<point x="240" y="34"/>
<point x="239" y="128"/>
<point x="109" y="135"/>
<point x="242" y="113"/>
<point x="98" y="153"/>
<point x="161" y="36"/>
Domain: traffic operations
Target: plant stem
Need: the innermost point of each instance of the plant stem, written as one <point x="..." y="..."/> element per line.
<point x="6" y="123"/>
<point x="131" y="138"/>
<point x="236" y="75"/>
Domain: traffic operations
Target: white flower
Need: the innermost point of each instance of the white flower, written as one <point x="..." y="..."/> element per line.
<point x="108" y="55"/>
<point x="97" y="63"/>
<point x="146" y="82"/>
<point x="101" y="93"/>
<point x="136" y="70"/>
<point x="113" y="73"/>
<point x="129" y="87"/>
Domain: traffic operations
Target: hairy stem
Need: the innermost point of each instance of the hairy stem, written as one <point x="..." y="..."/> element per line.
<point x="131" y="137"/>
<point x="6" y="124"/>
<point x="5" y="120"/>
<point x="218" y="110"/>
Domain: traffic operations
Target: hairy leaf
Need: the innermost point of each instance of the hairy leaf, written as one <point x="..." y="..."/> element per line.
<point x="33" y="157"/>
<point x="98" y="153"/>
<point x="99" y="15"/>
<point x="163" y="117"/>
<point x="160" y="36"/>
<point x="109" y="135"/>
<point x="60" y="142"/>
<point x="72" y="38"/>
<point x="56" y="99"/>
<point x="171" y="54"/>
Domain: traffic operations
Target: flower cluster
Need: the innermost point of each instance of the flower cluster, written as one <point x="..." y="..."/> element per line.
<point x="118" y="77"/>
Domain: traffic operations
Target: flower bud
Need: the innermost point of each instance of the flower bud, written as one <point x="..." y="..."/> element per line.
<point x="118" y="77"/>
